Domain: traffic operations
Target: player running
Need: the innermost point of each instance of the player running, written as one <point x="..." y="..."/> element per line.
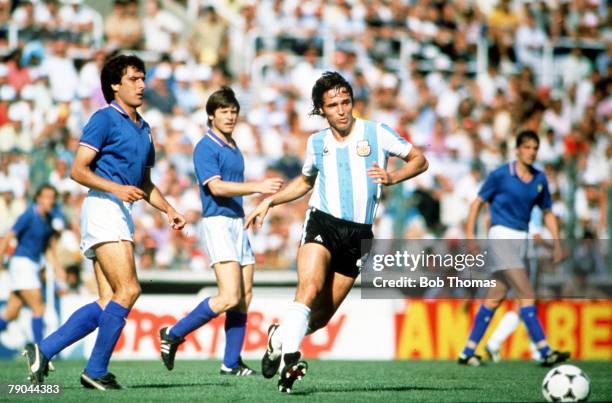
<point x="512" y="191"/>
<point x="114" y="161"/>
<point x="219" y="167"/>
<point x="346" y="164"/>
<point x="34" y="230"/>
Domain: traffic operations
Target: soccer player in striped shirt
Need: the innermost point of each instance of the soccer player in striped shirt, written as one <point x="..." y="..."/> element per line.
<point x="346" y="167"/>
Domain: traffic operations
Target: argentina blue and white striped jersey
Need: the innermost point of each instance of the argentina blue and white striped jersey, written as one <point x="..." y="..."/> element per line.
<point x="342" y="188"/>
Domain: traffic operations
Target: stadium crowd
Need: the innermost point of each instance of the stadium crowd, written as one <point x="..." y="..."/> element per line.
<point x="456" y="78"/>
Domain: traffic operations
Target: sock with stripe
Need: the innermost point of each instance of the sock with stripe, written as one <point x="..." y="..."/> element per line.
<point x="534" y="327"/>
<point x="481" y="323"/>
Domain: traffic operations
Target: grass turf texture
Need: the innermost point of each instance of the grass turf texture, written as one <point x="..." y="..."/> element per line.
<point x="351" y="381"/>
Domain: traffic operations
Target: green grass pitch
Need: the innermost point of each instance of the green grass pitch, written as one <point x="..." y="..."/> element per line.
<point x="329" y="381"/>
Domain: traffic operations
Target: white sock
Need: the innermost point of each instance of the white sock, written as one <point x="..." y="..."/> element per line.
<point x="293" y="327"/>
<point x="507" y="325"/>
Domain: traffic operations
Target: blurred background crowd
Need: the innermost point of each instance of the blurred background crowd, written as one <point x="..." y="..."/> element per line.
<point x="456" y="78"/>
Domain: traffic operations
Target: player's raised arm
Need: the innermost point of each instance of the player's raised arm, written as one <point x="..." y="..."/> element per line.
<point x="297" y="188"/>
<point x="154" y="197"/>
<point x="221" y="188"/>
<point x="82" y="173"/>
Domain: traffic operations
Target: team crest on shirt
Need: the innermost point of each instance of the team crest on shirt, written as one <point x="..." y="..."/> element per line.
<point x="363" y="148"/>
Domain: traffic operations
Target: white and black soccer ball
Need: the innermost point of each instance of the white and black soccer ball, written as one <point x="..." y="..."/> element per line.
<point x="566" y="383"/>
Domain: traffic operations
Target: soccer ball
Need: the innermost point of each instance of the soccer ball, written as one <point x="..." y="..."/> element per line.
<point x="566" y="383"/>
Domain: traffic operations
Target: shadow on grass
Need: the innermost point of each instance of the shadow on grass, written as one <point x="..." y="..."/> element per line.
<point x="344" y="389"/>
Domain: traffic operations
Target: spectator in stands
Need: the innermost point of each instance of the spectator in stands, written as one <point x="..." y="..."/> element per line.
<point x="78" y="20"/>
<point x="161" y="28"/>
<point x="123" y="27"/>
<point x="529" y="41"/>
<point x="576" y="67"/>
<point x="502" y="23"/>
<point x="158" y="94"/>
<point x="442" y="39"/>
<point x="63" y="76"/>
<point x="209" y="37"/>
<point x="18" y="74"/>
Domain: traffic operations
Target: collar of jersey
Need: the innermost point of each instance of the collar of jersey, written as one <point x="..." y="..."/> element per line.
<point x="218" y="139"/>
<point x="513" y="172"/>
<point x="114" y="104"/>
<point x="350" y="138"/>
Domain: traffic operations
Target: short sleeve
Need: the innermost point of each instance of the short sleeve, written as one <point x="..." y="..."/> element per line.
<point x="206" y="163"/>
<point x="23" y="222"/>
<point x="489" y="187"/>
<point x="544" y="200"/>
<point x="309" y="168"/>
<point x="392" y="143"/>
<point x="96" y="131"/>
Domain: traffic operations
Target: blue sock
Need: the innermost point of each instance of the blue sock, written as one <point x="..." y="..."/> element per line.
<point x="235" y="327"/>
<point x="481" y="323"/>
<point x="3" y="324"/>
<point x="37" y="328"/>
<point x="196" y="318"/>
<point x="111" y="324"/>
<point x="82" y="322"/>
<point x="534" y="327"/>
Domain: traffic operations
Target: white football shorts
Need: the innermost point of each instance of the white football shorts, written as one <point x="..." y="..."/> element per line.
<point x="507" y="248"/>
<point x="225" y="240"/>
<point x="23" y="273"/>
<point x="104" y="218"/>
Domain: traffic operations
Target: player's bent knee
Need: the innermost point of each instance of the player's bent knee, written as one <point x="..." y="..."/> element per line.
<point x="229" y="301"/>
<point x="10" y="316"/>
<point x="129" y="293"/>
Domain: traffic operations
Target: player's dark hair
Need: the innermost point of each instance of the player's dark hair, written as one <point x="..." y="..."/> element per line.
<point x="526" y="135"/>
<point x="114" y="69"/>
<point x="222" y="98"/>
<point x="41" y="188"/>
<point x="329" y="80"/>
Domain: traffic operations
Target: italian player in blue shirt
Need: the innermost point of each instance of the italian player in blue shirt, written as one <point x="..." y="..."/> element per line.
<point x="346" y="167"/>
<point x="219" y="168"/>
<point x="114" y="161"/>
<point x="512" y="191"/>
<point x="34" y="231"/>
